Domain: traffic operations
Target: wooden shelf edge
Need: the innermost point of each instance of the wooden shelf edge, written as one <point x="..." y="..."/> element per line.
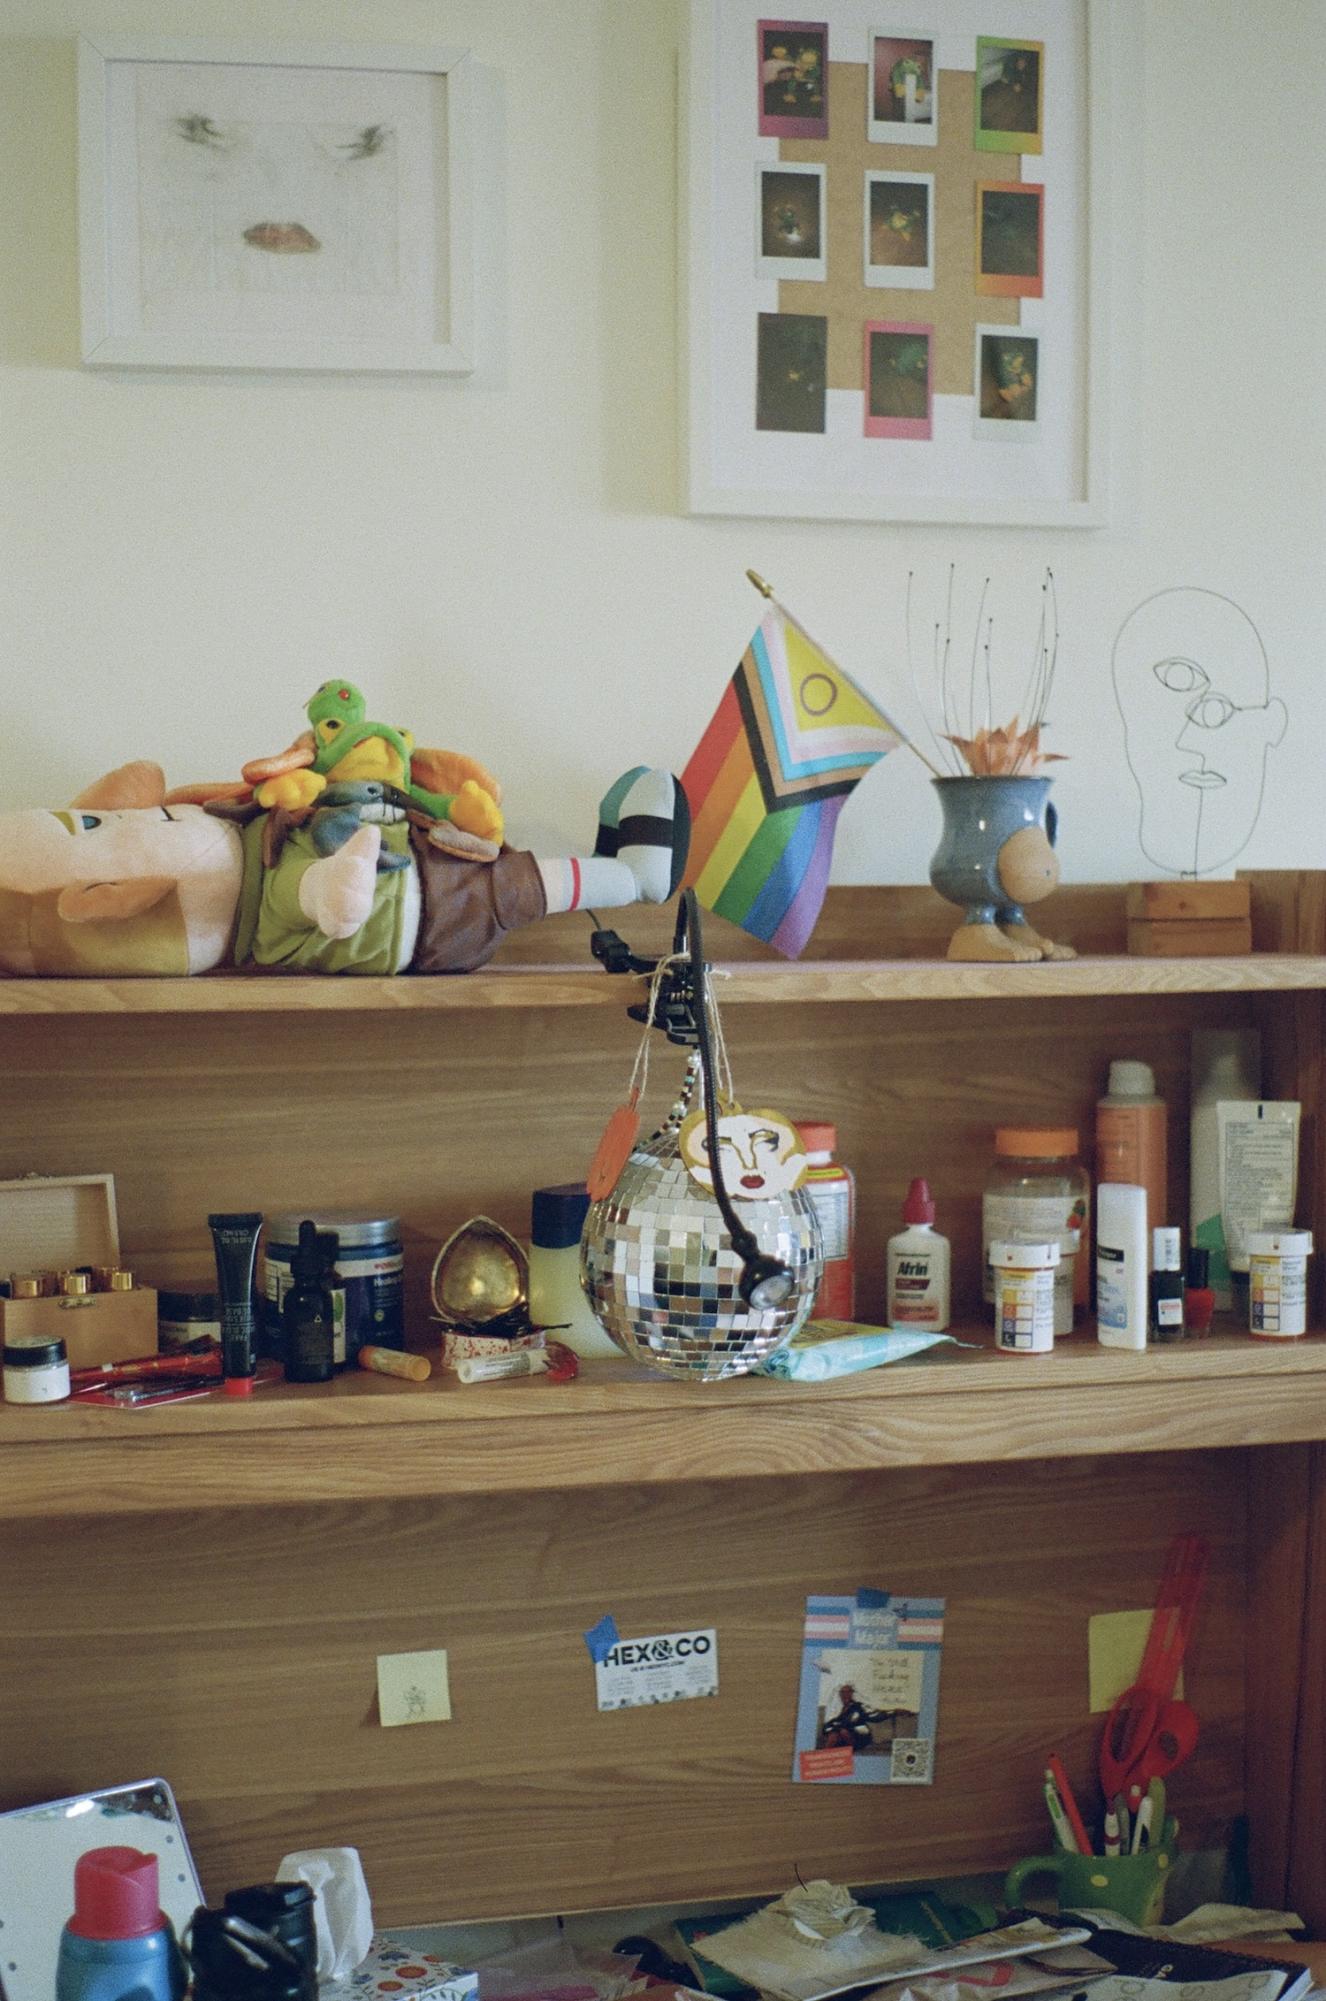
<point x="814" y="982"/>
<point x="988" y="1412"/>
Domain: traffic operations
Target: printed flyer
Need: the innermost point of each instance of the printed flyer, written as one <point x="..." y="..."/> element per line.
<point x="868" y="1707"/>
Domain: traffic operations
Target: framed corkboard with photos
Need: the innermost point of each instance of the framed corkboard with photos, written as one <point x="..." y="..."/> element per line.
<point x="895" y="260"/>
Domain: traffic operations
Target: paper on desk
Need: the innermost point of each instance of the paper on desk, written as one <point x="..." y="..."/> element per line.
<point x="1046" y="1974"/>
<point x="1115" y="1643"/>
<point x="767" y="1950"/>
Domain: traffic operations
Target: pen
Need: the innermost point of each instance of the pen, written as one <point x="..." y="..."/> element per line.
<point x="1124" y="1819"/>
<point x="138" y="1396"/>
<point x="1142" y="1828"/>
<point x="1063" y="1832"/>
<point x="146" y="1366"/>
<point x="1080" y="1836"/>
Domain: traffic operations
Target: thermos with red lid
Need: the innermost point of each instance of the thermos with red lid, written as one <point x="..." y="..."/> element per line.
<point x="119" y="1942"/>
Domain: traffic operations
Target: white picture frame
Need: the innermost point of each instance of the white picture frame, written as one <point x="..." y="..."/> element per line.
<point x="1054" y="473"/>
<point x="368" y="146"/>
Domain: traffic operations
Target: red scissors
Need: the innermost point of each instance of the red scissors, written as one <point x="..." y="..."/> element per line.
<point x="1148" y="1733"/>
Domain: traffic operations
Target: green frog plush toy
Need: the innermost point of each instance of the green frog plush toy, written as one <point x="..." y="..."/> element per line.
<point x="342" y="747"/>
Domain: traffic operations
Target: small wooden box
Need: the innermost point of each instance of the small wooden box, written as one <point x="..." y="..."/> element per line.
<point x="52" y="1224"/>
<point x="1189" y="920"/>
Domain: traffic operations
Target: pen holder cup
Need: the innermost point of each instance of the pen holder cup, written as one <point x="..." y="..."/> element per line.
<point x="1133" y="1886"/>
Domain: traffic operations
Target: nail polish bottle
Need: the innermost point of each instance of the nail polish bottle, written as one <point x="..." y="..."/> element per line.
<point x="1199" y="1296"/>
<point x="1166" y="1287"/>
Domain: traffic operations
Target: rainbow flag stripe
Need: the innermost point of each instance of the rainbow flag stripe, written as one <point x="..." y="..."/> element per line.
<point x="790" y="739"/>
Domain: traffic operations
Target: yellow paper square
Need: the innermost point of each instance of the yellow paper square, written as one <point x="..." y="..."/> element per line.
<point x="413" y="1688"/>
<point x="1115" y="1645"/>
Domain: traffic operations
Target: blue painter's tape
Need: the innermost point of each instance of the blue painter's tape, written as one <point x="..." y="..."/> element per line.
<point x="874" y="1601"/>
<point x="601" y="1639"/>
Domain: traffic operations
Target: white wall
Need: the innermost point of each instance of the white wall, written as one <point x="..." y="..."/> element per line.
<point x="501" y="565"/>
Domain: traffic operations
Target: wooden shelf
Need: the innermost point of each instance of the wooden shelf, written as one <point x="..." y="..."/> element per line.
<point x="535" y="986"/>
<point x="372" y="1438"/>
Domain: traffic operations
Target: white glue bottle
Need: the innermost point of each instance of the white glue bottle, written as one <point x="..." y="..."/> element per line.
<point x="919" y="1266"/>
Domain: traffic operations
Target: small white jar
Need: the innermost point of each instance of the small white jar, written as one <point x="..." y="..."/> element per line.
<point x="1278" y="1283"/>
<point x="1024" y="1297"/>
<point x="36" y="1369"/>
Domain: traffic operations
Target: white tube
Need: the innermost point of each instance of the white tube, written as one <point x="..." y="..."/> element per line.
<point x="491" y="1368"/>
<point x="1121" y="1265"/>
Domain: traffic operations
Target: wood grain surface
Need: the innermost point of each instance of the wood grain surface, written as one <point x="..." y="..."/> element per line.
<point x="226" y="1634"/>
<point x="236" y="1655"/>
<point x="364" y="1438"/>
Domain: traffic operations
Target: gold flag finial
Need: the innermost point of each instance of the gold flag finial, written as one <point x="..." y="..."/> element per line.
<point x="765" y="590"/>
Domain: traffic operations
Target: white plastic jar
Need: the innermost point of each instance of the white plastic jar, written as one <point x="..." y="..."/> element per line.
<point x="36" y="1369"/>
<point x="1024" y="1297"/>
<point x="1278" y="1283"/>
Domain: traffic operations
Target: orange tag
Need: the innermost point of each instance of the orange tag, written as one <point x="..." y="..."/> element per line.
<point x="614" y="1149"/>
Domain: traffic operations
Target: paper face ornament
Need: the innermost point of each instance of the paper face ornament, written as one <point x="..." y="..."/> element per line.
<point x="762" y="1154"/>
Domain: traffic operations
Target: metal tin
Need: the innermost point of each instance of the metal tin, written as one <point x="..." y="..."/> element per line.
<point x="368" y="1291"/>
<point x="186" y="1317"/>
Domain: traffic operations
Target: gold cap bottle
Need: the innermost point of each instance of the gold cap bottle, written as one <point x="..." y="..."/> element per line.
<point x="24" y="1285"/>
<point x="75" y="1284"/>
<point x="121" y="1281"/>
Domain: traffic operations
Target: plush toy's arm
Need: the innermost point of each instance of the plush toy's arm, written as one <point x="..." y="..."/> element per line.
<point x="112" y="902"/>
<point x="137" y="784"/>
<point x="458" y="788"/>
<point x="203" y="795"/>
<point x="447" y="770"/>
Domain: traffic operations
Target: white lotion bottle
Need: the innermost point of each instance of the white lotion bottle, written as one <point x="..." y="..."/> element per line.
<point x="1122" y="1265"/>
<point x="919" y="1266"/>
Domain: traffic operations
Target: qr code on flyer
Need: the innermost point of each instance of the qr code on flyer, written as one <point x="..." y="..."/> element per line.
<point x="912" y="1762"/>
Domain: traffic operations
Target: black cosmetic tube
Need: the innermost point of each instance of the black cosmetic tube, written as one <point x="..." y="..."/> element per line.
<point x="235" y="1240"/>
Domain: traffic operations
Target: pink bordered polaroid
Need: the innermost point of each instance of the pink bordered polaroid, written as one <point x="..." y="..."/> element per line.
<point x="897" y="369"/>
<point x="1010" y="240"/>
<point x="793" y="79"/>
<point x="902" y="107"/>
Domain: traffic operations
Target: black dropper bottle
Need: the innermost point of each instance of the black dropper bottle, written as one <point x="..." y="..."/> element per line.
<point x="307" y="1312"/>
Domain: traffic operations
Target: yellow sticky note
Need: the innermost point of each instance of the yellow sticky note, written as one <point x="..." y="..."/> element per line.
<point x="413" y="1688"/>
<point x="1115" y="1645"/>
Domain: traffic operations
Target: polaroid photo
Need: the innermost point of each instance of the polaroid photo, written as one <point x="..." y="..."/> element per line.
<point x="900" y="229"/>
<point x="1010" y="95"/>
<point x="902" y="103"/>
<point x="790" y="223"/>
<point x="1008" y="368"/>
<point x="1010" y="239"/>
<point x="791" y="372"/>
<point x="898" y="375"/>
<point x="793" y="79"/>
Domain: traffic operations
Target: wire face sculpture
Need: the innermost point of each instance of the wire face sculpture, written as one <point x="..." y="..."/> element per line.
<point x="1193" y="688"/>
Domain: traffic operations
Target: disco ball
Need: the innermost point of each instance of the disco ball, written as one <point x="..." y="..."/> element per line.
<point x="662" y="1276"/>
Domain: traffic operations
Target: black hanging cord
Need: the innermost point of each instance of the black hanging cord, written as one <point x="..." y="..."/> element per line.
<point x="765" y="1281"/>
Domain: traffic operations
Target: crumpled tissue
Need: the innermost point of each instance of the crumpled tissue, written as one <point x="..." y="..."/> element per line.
<point x="341" y="1908"/>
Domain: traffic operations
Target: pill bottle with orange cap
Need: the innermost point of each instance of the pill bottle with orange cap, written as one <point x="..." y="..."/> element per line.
<point x="1037" y="1192"/>
<point x="832" y="1192"/>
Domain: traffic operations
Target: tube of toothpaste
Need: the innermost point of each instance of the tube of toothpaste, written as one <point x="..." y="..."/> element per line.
<point x="826" y="1348"/>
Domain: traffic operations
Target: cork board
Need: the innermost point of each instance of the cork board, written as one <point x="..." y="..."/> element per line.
<point x="952" y="306"/>
<point x="823" y="378"/>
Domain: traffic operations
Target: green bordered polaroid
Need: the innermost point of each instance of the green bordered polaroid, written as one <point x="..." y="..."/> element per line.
<point x="1010" y="95"/>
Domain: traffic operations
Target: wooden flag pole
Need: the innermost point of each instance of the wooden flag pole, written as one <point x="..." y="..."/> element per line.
<point x="766" y="591"/>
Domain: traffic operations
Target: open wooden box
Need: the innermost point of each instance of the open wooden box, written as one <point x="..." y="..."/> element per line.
<point x="55" y="1224"/>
